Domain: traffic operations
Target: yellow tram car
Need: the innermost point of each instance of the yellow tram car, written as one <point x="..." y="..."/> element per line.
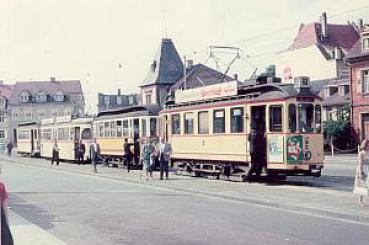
<point x="28" y="140"/>
<point x="67" y="132"/>
<point x="209" y="128"/>
<point x="111" y="127"/>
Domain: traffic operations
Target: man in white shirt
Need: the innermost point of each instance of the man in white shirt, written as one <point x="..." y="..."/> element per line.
<point x="94" y="154"/>
<point x="165" y="150"/>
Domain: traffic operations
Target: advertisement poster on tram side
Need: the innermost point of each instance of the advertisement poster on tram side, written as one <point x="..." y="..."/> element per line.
<point x="294" y="149"/>
<point x="275" y="149"/>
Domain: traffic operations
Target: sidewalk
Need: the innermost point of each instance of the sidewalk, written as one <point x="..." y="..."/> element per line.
<point x="303" y="199"/>
<point x="27" y="233"/>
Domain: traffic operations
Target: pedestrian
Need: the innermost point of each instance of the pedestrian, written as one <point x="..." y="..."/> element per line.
<point x="6" y="235"/>
<point x="94" y="154"/>
<point x="361" y="186"/>
<point x="147" y="151"/>
<point x="80" y="152"/>
<point x="127" y="154"/>
<point x="257" y="153"/>
<point x="164" y="153"/>
<point x="55" y="153"/>
<point x="10" y="148"/>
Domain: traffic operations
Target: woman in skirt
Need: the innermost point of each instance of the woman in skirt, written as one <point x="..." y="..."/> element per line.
<point x="361" y="187"/>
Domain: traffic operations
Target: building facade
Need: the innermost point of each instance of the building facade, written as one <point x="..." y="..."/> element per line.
<point x="119" y="100"/>
<point x="358" y="59"/>
<point x="319" y="51"/>
<point x="33" y="101"/>
<point x="5" y="118"/>
<point x="164" y="71"/>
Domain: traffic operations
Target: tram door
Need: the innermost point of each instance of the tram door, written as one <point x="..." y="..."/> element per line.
<point x="77" y="133"/>
<point x="32" y="141"/>
<point x="258" y="125"/>
<point x="136" y="136"/>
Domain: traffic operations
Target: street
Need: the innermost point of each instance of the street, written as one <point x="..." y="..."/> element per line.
<point x="75" y="206"/>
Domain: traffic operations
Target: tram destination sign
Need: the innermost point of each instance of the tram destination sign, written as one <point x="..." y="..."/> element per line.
<point x="207" y="92"/>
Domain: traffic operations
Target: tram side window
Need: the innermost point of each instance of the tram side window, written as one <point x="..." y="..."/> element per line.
<point x="292" y="118"/>
<point x="176" y="124"/>
<point x="86" y="134"/>
<point x="24" y="134"/>
<point x="72" y="135"/>
<point x="153" y="127"/>
<point x="125" y="128"/>
<point x="63" y="133"/>
<point x="236" y="120"/>
<point x="218" y="122"/>
<point x="144" y="131"/>
<point x="306" y="117"/>
<point x="47" y="134"/>
<point x="101" y="130"/>
<point x="113" y="129"/>
<point x="318" y="118"/>
<point x="188" y="121"/>
<point x="107" y="129"/>
<point x="119" y="129"/>
<point x="203" y="122"/>
<point x="275" y="119"/>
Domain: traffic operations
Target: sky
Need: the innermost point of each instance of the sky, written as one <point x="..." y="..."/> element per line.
<point x="109" y="44"/>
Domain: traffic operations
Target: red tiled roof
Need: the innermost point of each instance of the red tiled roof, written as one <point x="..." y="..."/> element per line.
<point x="343" y="36"/>
<point x="6" y="90"/>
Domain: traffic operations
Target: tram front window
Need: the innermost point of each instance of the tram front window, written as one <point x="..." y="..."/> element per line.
<point x="306" y="118"/>
<point x="86" y="134"/>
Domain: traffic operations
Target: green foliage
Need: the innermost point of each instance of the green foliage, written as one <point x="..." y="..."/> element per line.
<point x="336" y="129"/>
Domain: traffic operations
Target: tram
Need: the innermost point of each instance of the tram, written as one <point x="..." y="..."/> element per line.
<point x="68" y="132"/>
<point x="28" y="139"/>
<point x="209" y="128"/>
<point x="111" y="127"/>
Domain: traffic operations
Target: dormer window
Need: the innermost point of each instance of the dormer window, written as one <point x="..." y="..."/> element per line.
<point x="366" y="43"/>
<point x="343" y="90"/>
<point x="24" y="96"/>
<point x="41" y="97"/>
<point x="59" y="96"/>
<point x="326" y="92"/>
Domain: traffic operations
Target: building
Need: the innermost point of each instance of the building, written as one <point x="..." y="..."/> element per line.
<point x="119" y="100"/>
<point x="5" y="93"/>
<point x="35" y="100"/>
<point x="165" y="70"/>
<point x="358" y="59"/>
<point x="319" y="51"/>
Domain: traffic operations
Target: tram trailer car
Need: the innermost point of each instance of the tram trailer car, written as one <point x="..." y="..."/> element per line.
<point x="111" y="127"/>
<point x="67" y="132"/>
<point x="28" y="140"/>
<point x="210" y="136"/>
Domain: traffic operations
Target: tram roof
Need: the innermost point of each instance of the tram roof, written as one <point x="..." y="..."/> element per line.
<point x="25" y="124"/>
<point x="253" y="91"/>
<point x="138" y="110"/>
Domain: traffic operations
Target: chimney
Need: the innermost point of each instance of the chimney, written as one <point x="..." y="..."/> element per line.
<point x="52" y="79"/>
<point x="323" y="21"/>
<point x="360" y="24"/>
<point x="235" y="76"/>
<point x="189" y="63"/>
<point x="119" y="92"/>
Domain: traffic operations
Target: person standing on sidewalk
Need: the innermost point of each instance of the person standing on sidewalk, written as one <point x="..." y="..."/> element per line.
<point x="361" y="186"/>
<point x="164" y="152"/>
<point x="127" y="154"/>
<point x="10" y="148"/>
<point x="6" y="235"/>
<point x="94" y="154"/>
<point x="55" y="154"/>
<point x="80" y="152"/>
<point x="147" y="151"/>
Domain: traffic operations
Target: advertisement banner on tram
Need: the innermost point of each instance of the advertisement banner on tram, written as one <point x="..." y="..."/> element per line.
<point x="294" y="149"/>
<point x="275" y="149"/>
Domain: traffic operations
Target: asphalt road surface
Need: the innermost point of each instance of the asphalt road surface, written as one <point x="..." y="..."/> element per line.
<point x="88" y="209"/>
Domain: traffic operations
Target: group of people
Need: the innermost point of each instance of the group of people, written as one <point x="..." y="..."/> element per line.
<point x="150" y="154"/>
